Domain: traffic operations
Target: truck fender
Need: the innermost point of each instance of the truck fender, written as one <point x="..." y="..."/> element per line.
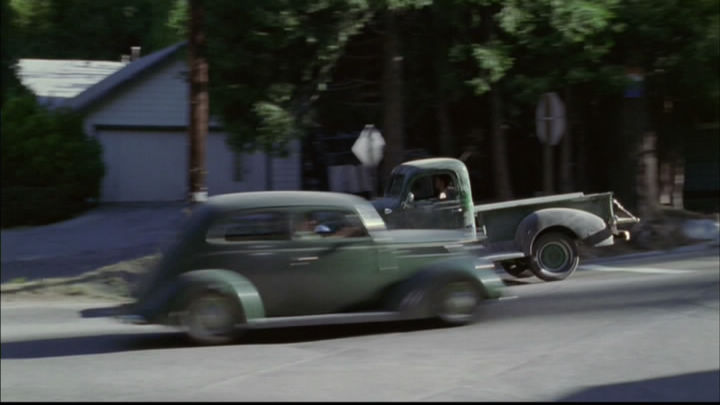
<point x="226" y="282"/>
<point x="412" y="297"/>
<point x="587" y="227"/>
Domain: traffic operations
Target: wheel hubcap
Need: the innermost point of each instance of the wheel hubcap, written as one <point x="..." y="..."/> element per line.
<point x="460" y="301"/>
<point x="554" y="256"/>
<point x="210" y="316"/>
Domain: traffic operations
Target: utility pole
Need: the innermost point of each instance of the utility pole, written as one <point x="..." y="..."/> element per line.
<point x="198" y="103"/>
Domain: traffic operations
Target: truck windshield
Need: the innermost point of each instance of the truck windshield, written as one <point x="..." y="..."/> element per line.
<point x="394" y="188"/>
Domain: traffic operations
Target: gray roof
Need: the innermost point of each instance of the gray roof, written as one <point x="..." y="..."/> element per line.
<point x="120" y="77"/>
<point x="55" y="80"/>
<point x="129" y="72"/>
<point x="79" y="83"/>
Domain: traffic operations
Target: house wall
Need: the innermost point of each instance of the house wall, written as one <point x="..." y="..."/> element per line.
<point x="143" y="130"/>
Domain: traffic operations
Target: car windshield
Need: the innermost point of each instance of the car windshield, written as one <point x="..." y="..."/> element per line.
<point x="394" y="188"/>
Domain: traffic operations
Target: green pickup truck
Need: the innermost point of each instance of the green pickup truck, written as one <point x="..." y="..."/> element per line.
<point x="533" y="236"/>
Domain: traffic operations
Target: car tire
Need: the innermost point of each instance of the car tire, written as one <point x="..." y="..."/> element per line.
<point x="517" y="268"/>
<point x="554" y="256"/>
<point x="211" y="318"/>
<point x="456" y="302"/>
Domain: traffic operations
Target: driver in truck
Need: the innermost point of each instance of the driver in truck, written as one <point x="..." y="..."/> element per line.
<point x="444" y="189"/>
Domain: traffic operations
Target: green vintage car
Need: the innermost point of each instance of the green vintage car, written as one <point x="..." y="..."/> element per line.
<point x="283" y="258"/>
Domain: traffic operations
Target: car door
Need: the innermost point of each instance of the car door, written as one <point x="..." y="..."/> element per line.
<point x="254" y="244"/>
<point x="335" y="268"/>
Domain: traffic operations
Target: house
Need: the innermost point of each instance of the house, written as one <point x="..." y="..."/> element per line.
<point x="139" y="112"/>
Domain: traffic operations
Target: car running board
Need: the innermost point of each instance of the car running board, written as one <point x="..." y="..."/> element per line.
<point x="325" y="319"/>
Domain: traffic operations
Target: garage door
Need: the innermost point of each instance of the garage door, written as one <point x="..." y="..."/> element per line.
<point x="144" y="166"/>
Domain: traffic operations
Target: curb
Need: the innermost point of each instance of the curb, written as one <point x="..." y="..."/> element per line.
<point x="697" y="247"/>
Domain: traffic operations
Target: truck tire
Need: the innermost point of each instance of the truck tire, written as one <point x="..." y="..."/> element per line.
<point x="517" y="268"/>
<point x="554" y="256"/>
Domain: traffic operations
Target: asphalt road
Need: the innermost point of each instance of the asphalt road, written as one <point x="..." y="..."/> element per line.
<point x="640" y="329"/>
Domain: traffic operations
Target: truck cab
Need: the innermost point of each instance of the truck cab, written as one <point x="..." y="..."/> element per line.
<point x="430" y="193"/>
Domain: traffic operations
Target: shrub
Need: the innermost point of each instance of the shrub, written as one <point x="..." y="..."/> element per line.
<point x="50" y="169"/>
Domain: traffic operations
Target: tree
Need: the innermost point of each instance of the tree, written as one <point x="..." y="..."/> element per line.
<point x="91" y="29"/>
<point x="50" y="169"/>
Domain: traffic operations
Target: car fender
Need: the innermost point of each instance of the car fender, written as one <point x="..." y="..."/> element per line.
<point x="226" y="282"/>
<point x="586" y="226"/>
<point x="412" y="296"/>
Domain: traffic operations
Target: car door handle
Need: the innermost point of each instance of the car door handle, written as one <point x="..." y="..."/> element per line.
<point x="305" y="258"/>
<point x="303" y="261"/>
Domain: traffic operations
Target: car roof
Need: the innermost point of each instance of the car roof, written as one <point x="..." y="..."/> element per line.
<point x="436" y="163"/>
<point x="293" y="198"/>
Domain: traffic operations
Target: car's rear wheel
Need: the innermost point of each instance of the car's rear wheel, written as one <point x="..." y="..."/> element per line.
<point x="211" y="318"/>
<point x="457" y="302"/>
<point x="554" y="256"/>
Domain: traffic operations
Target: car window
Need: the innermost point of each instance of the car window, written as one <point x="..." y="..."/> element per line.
<point x="394" y="188"/>
<point x="422" y="188"/>
<point x="440" y="186"/>
<point x="253" y="226"/>
<point x="328" y="223"/>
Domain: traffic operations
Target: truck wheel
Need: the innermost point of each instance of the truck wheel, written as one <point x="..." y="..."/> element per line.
<point x="211" y="318"/>
<point x="554" y="256"/>
<point x="517" y="268"/>
<point x="456" y="302"/>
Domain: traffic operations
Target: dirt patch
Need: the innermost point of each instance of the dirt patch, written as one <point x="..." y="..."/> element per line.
<point x="113" y="282"/>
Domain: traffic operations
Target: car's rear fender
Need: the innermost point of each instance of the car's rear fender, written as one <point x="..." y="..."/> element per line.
<point x="585" y="226"/>
<point x="225" y="282"/>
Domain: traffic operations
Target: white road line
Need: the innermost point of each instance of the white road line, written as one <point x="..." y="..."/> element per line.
<point x="634" y="269"/>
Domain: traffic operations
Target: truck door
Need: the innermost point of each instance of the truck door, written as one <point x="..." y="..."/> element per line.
<point x="435" y="202"/>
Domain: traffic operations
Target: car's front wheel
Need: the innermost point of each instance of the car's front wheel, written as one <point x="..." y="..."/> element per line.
<point x="211" y="318"/>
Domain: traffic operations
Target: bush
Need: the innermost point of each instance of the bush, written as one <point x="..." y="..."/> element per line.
<point x="50" y="169"/>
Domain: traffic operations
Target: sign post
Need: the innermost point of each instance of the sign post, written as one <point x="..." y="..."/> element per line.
<point x="368" y="148"/>
<point x="550" y="123"/>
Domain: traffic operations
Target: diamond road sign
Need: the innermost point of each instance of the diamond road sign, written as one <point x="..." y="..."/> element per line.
<point x="550" y="119"/>
<point x="368" y="148"/>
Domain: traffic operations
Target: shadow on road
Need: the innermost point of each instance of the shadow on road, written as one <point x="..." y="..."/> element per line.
<point x="121" y="342"/>
<point x="693" y="387"/>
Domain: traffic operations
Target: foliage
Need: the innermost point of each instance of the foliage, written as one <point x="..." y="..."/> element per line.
<point x="50" y="169"/>
<point x="91" y="29"/>
<point x="265" y="100"/>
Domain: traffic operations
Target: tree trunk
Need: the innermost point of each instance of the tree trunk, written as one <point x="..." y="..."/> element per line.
<point x="198" y="102"/>
<point x="566" y="169"/>
<point x="445" y="132"/>
<point x="647" y="176"/>
<point x="501" y="170"/>
<point x="393" y="117"/>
